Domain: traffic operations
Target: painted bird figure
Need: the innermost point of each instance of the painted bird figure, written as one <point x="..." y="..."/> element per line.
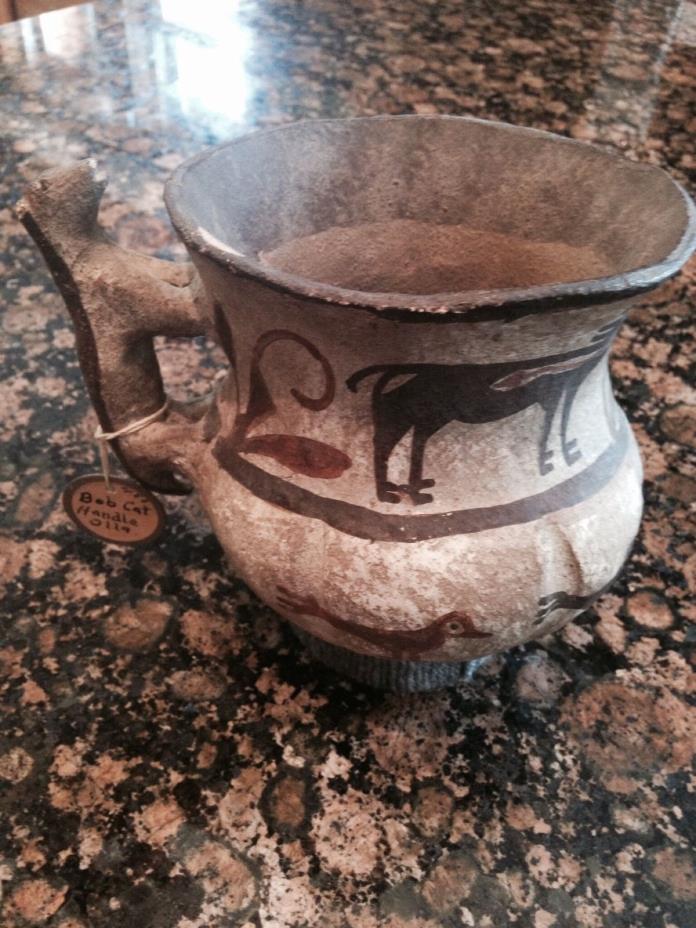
<point x="404" y="644"/>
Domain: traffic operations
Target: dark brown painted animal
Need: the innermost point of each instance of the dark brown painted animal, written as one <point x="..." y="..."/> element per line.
<point x="437" y="394"/>
<point x="406" y="644"/>
<point x="563" y="600"/>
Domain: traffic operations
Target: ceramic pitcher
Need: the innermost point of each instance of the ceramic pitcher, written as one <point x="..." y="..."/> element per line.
<point x="415" y="456"/>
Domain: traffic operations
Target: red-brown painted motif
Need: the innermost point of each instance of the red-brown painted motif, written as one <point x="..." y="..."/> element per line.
<point x="408" y="644"/>
<point x="298" y="453"/>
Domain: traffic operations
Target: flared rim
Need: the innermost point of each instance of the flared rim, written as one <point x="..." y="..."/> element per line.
<point x="601" y="289"/>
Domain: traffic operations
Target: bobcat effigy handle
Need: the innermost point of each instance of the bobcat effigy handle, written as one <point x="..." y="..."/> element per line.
<point x="119" y="300"/>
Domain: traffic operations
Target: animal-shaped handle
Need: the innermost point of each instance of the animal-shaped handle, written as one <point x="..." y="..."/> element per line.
<point x="119" y="301"/>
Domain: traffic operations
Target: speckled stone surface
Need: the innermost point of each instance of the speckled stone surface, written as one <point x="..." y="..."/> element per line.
<point x="169" y="756"/>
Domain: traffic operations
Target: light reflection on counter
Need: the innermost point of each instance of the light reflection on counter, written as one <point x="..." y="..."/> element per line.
<point x="63" y="33"/>
<point x="192" y="65"/>
<point x="209" y="54"/>
<point x="210" y="69"/>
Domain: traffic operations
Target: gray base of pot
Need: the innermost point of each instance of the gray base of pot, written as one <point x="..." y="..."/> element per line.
<point x="385" y="674"/>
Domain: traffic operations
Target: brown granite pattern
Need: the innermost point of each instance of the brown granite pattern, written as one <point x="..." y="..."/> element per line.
<point x="168" y="756"/>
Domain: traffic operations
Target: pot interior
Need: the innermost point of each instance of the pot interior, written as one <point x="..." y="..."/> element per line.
<point x="428" y="205"/>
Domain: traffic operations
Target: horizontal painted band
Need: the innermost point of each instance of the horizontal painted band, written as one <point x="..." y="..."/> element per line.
<point x="380" y="526"/>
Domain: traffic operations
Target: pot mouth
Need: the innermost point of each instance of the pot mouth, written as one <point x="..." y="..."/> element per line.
<point x="197" y="234"/>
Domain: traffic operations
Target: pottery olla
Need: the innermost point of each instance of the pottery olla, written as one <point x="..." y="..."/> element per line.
<point x="415" y="457"/>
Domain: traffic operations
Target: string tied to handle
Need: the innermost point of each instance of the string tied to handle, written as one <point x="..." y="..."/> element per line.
<point x="103" y="438"/>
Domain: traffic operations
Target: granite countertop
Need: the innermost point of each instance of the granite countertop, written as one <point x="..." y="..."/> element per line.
<point x="169" y="756"/>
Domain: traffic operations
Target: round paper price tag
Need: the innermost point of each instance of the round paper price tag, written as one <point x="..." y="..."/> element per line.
<point x="127" y="514"/>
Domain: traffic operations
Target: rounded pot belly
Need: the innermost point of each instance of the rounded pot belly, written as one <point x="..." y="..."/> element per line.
<point x="454" y="597"/>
